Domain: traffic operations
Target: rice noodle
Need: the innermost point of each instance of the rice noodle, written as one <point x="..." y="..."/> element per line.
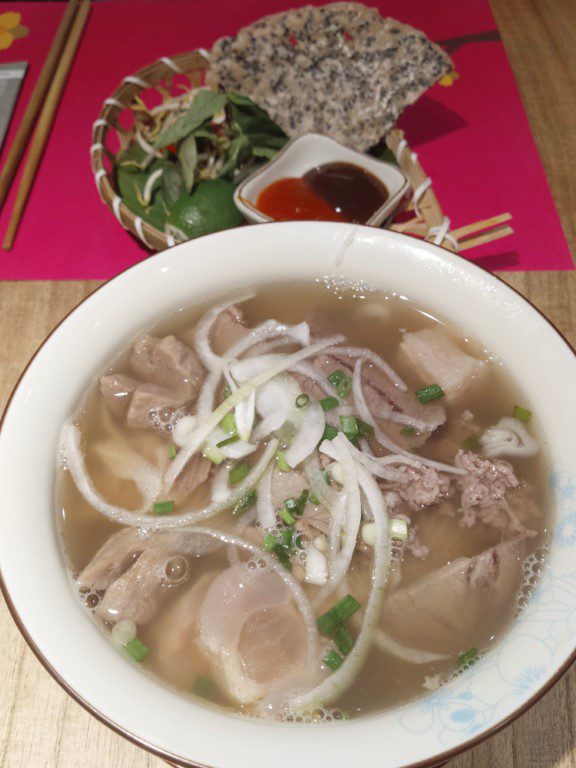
<point x="72" y="452"/>
<point x="376" y="360"/>
<point x="264" y="505"/>
<point x="203" y="430"/>
<point x="309" y="434"/>
<point x="365" y="415"/>
<point x="335" y="685"/>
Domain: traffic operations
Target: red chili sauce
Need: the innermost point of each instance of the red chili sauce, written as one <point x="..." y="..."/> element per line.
<point x="329" y="192"/>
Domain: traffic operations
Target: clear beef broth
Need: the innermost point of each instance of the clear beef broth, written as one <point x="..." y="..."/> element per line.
<point x="371" y="320"/>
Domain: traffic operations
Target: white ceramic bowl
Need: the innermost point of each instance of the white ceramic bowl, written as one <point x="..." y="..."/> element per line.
<point x="306" y="152"/>
<point x="532" y="655"/>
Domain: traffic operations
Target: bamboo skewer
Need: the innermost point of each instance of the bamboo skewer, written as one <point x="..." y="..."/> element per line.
<point x="45" y="122"/>
<point x="17" y="148"/>
<point x="479" y="226"/>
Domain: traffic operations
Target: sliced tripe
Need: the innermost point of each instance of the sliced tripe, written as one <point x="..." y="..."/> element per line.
<point x="438" y="360"/>
<point x="252" y="633"/>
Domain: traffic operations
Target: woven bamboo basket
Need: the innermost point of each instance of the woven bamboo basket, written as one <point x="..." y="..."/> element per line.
<point x="422" y="215"/>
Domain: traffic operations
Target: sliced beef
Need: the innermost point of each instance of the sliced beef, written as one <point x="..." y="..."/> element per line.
<point x="169" y="363"/>
<point x="117" y="390"/>
<point x="445" y="612"/>
<point x="424" y="486"/>
<point x="438" y="360"/>
<point x="228" y="329"/>
<point x="383" y="397"/>
<point x="286" y="485"/>
<point x="152" y="406"/>
<point x="135" y="569"/>
<point x="194" y="474"/>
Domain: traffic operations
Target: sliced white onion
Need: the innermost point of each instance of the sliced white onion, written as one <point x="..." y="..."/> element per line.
<point x="309" y="434"/>
<point x="202" y="345"/>
<point x="365" y="415"/>
<point x="237" y="450"/>
<point x="183" y="428"/>
<point x="406" y="653"/>
<point x="352" y="514"/>
<point x="220" y="487"/>
<point x="326" y="495"/>
<point x="334" y="685"/>
<point x="74" y="460"/>
<point x="244" y="415"/>
<point x="299" y="333"/>
<point x="264" y="506"/>
<point x="508" y="438"/>
<point x="316" y="567"/>
<point x="123" y="632"/>
<point x="376" y="360"/>
<point x="275" y="403"/>
<point x="336" y="472"/>
<point x="200" y="434"/>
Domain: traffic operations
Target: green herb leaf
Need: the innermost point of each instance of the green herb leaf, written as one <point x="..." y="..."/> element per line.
<point x="228" y="423"/>
<point x="341" y="382"/>
<point x="172" y="184"/>
<point x="522" y="414"/>
<point x="350" y="427"/>
<point x="431" y="392"/>
<point x="296" y="505"/>
<point x="287" y="517"/>
<point x="237" y="146"/>
<point x="171" y="451"/>
<point x="328" y="403"/>
<point x="265" y="152"/>
<point x="331" y="621"/>
<point x="228" y="441"/>
<point x="330" y="432"/>
<point x="188" y="158"/>
<point x="205" y="105"/>
<point x="407" y="431"/>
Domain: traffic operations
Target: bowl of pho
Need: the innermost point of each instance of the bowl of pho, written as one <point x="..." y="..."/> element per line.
<point x="301" y="484"/>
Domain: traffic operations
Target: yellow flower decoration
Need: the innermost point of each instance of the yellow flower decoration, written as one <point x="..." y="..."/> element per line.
<point x="446" y="81"/>
<point x="11" y="29"/>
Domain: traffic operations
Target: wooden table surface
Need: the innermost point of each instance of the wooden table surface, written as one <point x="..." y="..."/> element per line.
<point x="40" y="725"/>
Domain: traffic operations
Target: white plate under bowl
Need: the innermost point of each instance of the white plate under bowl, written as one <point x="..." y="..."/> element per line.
<point x="306" y="152"/>
<point x="534" y="652"/>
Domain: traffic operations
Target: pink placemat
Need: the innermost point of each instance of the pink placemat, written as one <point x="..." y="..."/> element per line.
<point x="473" y="137"/>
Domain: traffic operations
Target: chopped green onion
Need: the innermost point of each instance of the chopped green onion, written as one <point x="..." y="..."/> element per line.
<point x="350" y="427"/>
<point x="238" y="473"/>
<point x="296" y="505"/>
<point x="270" y="542"/>
<point x="330" y="432"/>
<point x="341" y="382"/>
<point x="328" y="624"/>
<point x="364" y="429"/>
<point x="136" y="649"/>
<point x="332" y="660"/>
<point x="313" y="499"/>
<point x="398" y="529"/>
<point x="522" y="414"/>
<point x="302" y="401"/>
<point x="228" y="441"/>
<point x="429" y="393"/>
<point x="287" y="517"/>
<point x="468" y="658"/>
<point x="163" y="507"/>
<point x="407" y="431"/>
<point x="281" y="462"/>
<point x="331" y="621"/>
<point x="226" y="392"/>
<point x="204" y="687"/>
<point x="213" y="454"/>
<point x="471" y="443"/>
<point x="171" y="451"/>
<point x="228" y="423"/>
<point x="344" y="641"/>
<point x="247" y="501"/>
<point x="327" y="478"/>
<point x="346" y="607"/>
<point x="328" y="403"/>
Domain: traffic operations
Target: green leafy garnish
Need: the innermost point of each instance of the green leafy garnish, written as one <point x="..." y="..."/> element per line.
<point x="468" y="658"/>
<point x="331" y="621"/>
<point x="341" y="382"/>
<point x="163" y="507"/>
<point x="431" y="392"/>
<point x="332" y="660"/>
<point x="329" y="433"/>
<point x="522" y="414"/>
<point x="204" y="106"/>
<point x="296" y="505"/>
<point x="136" y="650"/>
<point x="281" y="462"/>
<point x="407" y="431"/>
<point x="238" y="473"/>
<point x="171" y="451"/>
<point x="343" y="640"/>
<point x="283" y="545"/>
<point x="247" y="501"/>
<point x="328" y="403"/>
<point x="188" y="158"/>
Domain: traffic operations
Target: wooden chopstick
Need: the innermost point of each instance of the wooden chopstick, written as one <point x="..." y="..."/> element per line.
<point x="479" y="226"/>
<point x="486" y="237"/>
<point x="17" y="148"/>
<point x="45" y="122"/>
